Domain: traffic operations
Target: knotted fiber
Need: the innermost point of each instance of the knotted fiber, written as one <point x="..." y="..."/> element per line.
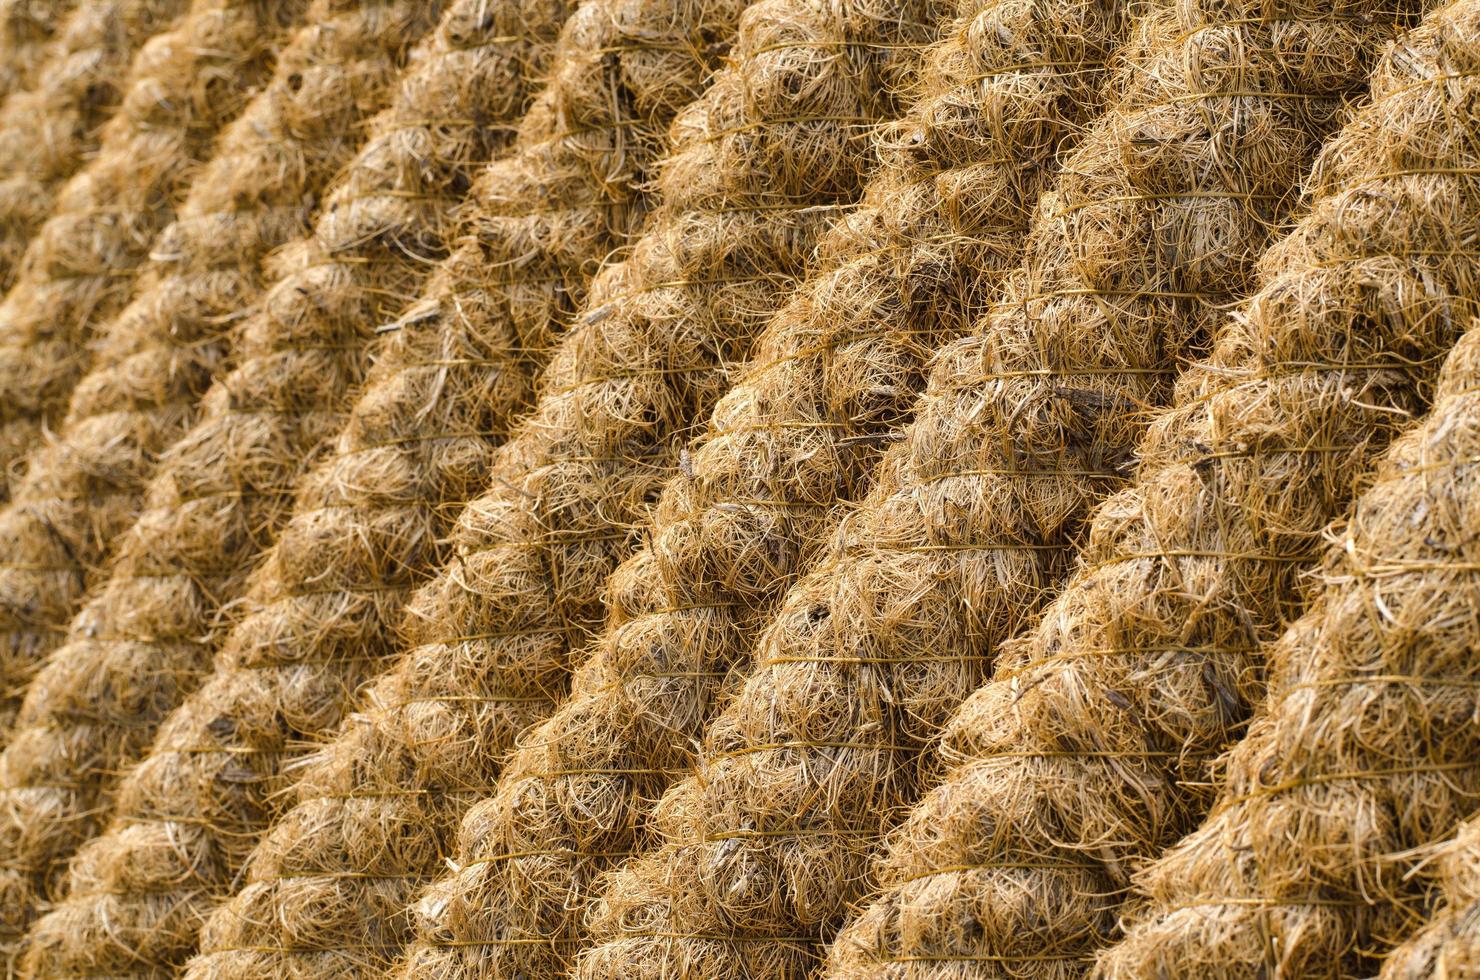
<point x="95" y="704"/>
<point x="81" y="265"/>
<point x="507" y="38"/>
<point x="48" y="130"/>
<point x="1087" y="752"/>
<point x="1447" y="947"/>
<point x="1157" y="217"/>
<point x="761" y="166"/>
<point x="27" y="27"/>
<point x="1368" y="747"/>
<point x="832" y="379"/>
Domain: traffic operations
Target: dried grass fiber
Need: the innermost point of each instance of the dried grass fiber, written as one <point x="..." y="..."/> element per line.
<point x="26" y="29"/>
<point x="98" y="698"/>
<point x="484" y="46"/>
<point x="452" y="378"/>
<point x="1158" y="216"/>
<point x="830" y="382"/>
<point x="81" y="265"/>
<point x="1368" y="748"/>
<point x="92" y="250"/>
<point x="1448" y="946"/>
<point x="65" y="88"/>
<point x="761" y="166"/>
<point x="1088" y="751"/>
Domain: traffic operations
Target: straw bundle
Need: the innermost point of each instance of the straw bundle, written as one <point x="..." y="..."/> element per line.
<point x="95" y="704"/>
<point x="833" y="376"/>
<point x="1368" y="747"/>
<point x="1158" y="215"/>
<point x="270" y="648"/>
<point x="80" y="267"/>
<point x="1448" y="947"/>
<point x="48" y="131"/>
<point x="378" y="238"/>
<point x="1087" y="750"/>
<point x="26" y="28"/>
<point x="761" y="165"/>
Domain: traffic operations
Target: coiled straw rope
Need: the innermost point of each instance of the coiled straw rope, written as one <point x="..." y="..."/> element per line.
<point x="1158" y="216"/>
<point x="832" y="380"/>
<point x="50" y="124"/>
<point x="762" y="164"/>
<point x="223" y="490"/>
<point x="94" y="705"/>
<point x="1088" y="750"/>
<point x="81" y="265"/>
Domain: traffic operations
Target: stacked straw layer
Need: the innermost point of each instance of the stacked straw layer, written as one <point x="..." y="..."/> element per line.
<point x="81" y="719"/>
<point x="224" y="488"/>
<point x="80" y="266"/>
<point x="223" y="749"/>
<point x="761" y="165"/>
<point x="66" y="87"/>
<point x="832" y="379"/>
<point x="447" y="386"/>
<point x="1369" y="747"/>
<point x="1448" y="946"/>
<point x="1088" y="750"/>
<point x="1158" y="216"/>
<point x="94" y="705"/>
<point x="26" y="28"/>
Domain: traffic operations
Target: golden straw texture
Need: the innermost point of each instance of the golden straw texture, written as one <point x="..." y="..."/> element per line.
<point x="1368" y="748"/>
<point x="1448" y="946"/>
<point x="452" y="378"/>
<point x="761" y="166"/>
<point x="51" y="124"/>
<point x="223" y="490"/>
<point x="1088" y="750"/>
<point x="81" y="265"/>
<point x="832" y="379"/>
<point x="1158" y="215"/>
<point x="26" y="29"/>
<point x="266" y="699"/>
<point x="96" y="701"/>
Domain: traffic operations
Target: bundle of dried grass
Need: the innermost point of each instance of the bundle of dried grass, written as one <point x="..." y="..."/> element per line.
<point x="26" y="28"/>
<point x="47" y="131"/>
<point x="1157" y="217"/>
<point x="314" y="596"/>
<point x="832" y="379"/>
<point x="80" y="267"/>
<point x="1089" y="748"/>
<point x="95" y="704"/>
<point x="761" y="166"/>
<point x="1368" y="748"/>
<point x="1448" y="946"/>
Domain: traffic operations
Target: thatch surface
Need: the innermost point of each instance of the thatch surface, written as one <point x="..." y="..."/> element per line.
<point x="830" y="382"/>
<point x="1089" y="750"/>
<point x="222" y="491"/>
<point x="1447" y="947"/>
<point x="81" y="265"/>
<point x="265" y="699"/>
<point x="26" y="29"/>
<point x="66" y="87"/>
<point x="449" y="382"/>
<point x="95" y="703"/>
<point x="1158" y="216"/>
<point x="1367" y="749"/>
<point x="761" y="166"/>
